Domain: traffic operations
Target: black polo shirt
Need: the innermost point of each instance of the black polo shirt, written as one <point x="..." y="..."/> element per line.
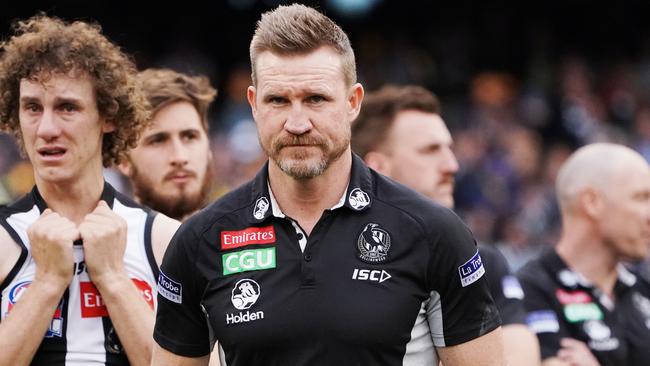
<point x="504" y="286"/>
<point x="381" y="280"/>
<point x="562" y="303"/>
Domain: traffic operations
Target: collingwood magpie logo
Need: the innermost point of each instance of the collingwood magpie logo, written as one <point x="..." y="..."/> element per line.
<point x="244" y="295"/>
<point x="373" y="244"/>
<point x="358" y="199"/>
<point x="261" y="206"/>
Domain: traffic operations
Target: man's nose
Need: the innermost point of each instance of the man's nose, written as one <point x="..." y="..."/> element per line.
<point x="179" y="153"/>
<point x="48" y="126"/>
<point x="298" y="121"/>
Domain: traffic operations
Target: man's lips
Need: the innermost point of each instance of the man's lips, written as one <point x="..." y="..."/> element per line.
<point x="180" y="176"/>
<point x="51" y="153"/>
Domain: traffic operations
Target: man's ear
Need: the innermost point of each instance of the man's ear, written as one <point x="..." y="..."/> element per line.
<point x="591" y="202"/>
<point x="108" y="126"/>
<point x="125" y="167"/>
<point x="378" y="161"/>
<point x="251" y="93"/>
<point x="355" y="98"/>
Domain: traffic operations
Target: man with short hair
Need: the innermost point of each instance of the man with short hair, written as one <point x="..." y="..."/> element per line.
<point x="585" y="307"/>
<point x="319" y="260"/>
<point x="169" y="168"/>
<point x="400" y="133"/>
<point x="79" y="261"/>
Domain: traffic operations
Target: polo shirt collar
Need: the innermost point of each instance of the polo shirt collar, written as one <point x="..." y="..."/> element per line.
<point x="358" y="196"/>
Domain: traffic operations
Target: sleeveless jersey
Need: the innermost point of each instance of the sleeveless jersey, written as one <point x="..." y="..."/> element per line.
<point x="81" y="332"/>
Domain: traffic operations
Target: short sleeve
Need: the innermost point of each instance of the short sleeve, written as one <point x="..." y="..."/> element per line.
<point x="541" y="317"/>
<point x="461" y="308"/>
<point x="181" y="325"/>
<point x="504" y="286"/>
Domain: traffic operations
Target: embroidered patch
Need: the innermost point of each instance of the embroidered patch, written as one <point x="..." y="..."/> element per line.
<point x="248" y="260"/>
<point x="261" y="206"/>
<point x="543" y="321"/>
<point x="373" y="244"/>
<point x="248" y="236"/>
<point x="511" y="288"/>
<point x="358" y="199"/>
<point x="170" y="289"/>
<point x="572" y="297"/>
<point x="471" y="270"/>
<point x="580" y="312"/>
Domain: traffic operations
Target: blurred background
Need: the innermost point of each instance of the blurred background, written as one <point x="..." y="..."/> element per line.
<point x="521" y="87"/>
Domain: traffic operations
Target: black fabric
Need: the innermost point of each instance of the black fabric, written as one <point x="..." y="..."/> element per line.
<point x="617" y="336"/>
<point x="504" y="286"/>
<point x="343" y="301"/>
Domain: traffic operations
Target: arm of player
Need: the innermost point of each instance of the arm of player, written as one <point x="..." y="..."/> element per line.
<point x="162" y="357"/>
<point x="522" y="347"/>
<point x="486" y="350"/>
<point x="104" y="237"/>
<point x="22" y="331"/>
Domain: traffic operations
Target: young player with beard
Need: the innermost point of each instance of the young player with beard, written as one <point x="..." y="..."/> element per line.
<point x="170" y="168"/>
<point x="79" y="260"/>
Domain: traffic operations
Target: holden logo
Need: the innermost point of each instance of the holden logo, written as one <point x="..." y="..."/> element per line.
<point x="261" y="206"/>
<point x="373" y="244"/>
<point x="245" y="294"/>
<point x="358" y="199"/>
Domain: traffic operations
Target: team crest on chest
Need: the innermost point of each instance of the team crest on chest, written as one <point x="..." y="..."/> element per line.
<point x="373" y="244"/>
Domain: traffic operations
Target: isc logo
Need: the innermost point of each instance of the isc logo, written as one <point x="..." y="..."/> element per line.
<point x="370" y="275"/>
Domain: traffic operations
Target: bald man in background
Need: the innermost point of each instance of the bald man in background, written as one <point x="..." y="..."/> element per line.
<point x="401" y="134"/>
<point x="585" y="307"/>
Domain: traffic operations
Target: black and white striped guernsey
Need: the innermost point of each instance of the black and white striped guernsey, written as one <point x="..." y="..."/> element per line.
<point x="81" y="333"/>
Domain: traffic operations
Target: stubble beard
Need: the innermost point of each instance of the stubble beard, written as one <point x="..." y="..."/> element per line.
<point x="301" y="165"/>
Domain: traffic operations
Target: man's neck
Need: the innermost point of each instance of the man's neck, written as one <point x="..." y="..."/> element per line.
<point x="73" y="199"/>
<point x="305" y="200"/>
<point x="591" y="258"/>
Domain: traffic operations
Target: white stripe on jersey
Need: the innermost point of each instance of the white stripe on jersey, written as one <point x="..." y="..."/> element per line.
<point x="420" y="350"/>
<point x="85" y="339"/>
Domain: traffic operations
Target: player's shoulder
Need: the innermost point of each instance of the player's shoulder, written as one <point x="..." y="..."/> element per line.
<point x="401" y="198"/>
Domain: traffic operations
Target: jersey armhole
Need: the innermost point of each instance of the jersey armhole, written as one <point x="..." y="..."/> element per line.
<point x="21" y="259"/>
<point x="148" y="246"/>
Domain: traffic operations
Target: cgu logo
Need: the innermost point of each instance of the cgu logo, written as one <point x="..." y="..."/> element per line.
<point x="248" y="260"/>
<point x="374" y="275"/>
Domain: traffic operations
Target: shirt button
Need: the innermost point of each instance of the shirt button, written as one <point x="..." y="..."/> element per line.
<point x="300" y="236"/>
<point x="307" y="257"/>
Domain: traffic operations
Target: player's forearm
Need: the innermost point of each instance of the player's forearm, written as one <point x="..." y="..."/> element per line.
<point x="486" y="350"/>
<point x="22" y="331"/>
<point x="131" y="316"/>
<point x="521" y="346"/>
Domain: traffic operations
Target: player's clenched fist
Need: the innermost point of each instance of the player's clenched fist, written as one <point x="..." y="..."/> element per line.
<point x="51" y="238"/>
<point x="104" y="238"/>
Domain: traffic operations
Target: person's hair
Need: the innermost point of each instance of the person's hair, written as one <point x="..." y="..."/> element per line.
<point x="163" y="87"/>
<point x="43" y="46"/>
<point x="379" y="110"/>
<point x="297" y="30"/>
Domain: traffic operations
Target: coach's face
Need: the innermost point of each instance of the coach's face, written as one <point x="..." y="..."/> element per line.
<point x="303" y="110"/>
